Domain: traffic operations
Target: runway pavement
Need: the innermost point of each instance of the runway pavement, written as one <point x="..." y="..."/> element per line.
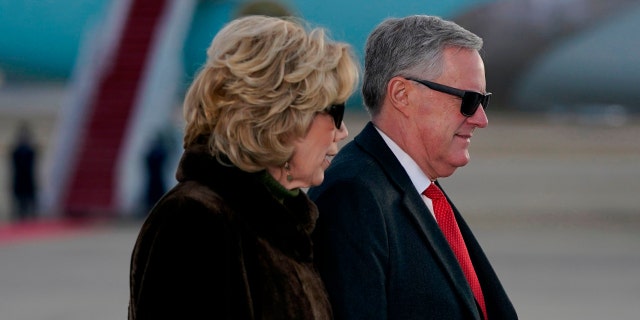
<point x="556" y="207"/>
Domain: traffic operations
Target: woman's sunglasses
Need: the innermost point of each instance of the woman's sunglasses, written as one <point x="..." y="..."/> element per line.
<point x="336" y="111"/>
<point x="470" y="99"/>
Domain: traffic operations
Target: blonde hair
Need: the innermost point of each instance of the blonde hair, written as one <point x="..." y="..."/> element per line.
<point x="264" y="80"/>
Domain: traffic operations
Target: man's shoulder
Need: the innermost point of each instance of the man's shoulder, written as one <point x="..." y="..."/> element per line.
<point x="352" y="160"/>
<point x="352" y="169"/>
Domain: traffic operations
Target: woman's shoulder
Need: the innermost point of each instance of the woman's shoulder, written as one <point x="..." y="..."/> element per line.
<point x="191" y="200"/>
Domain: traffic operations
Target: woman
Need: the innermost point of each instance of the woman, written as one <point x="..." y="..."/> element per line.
<point x="232" y="239"/>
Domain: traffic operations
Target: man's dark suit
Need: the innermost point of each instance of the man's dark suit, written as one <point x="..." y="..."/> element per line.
<point x="381" y="252"/>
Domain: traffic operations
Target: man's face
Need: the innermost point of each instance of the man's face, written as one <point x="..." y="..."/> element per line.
<point x="441" y="134"/>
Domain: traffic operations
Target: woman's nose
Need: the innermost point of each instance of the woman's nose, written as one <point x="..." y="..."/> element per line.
<point x="342" y="132"/>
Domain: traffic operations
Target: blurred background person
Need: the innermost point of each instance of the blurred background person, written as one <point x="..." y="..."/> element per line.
<point x="23" y="172"/>
<point x="232" y="239"/>
<point x="155" y="160"/>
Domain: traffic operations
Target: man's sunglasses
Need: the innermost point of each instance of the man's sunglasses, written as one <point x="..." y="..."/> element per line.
<point x="470" y="99"/>
<point x="336" y="111"/>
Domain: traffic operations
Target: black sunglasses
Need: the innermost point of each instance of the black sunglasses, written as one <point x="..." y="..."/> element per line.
<point x="336" y="111"/>
<point x="470" y="99"/>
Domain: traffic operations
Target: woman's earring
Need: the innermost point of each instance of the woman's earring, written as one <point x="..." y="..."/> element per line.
<point x="287" y="169"/>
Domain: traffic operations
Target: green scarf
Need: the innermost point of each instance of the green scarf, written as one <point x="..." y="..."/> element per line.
<point x="277" y="190"/>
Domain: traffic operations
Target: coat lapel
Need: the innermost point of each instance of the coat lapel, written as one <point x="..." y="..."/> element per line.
<point x="371" y="141"/>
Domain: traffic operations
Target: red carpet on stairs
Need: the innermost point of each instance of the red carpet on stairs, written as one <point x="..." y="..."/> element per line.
<point x="92" y="179"/>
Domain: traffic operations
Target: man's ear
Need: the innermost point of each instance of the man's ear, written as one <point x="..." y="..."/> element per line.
<point x="398" y="94"/>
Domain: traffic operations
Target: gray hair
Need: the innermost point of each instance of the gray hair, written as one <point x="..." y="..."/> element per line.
<point x="399" y="45"/>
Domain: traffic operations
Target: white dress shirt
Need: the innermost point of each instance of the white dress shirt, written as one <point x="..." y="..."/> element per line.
<point x="418" y="177"/>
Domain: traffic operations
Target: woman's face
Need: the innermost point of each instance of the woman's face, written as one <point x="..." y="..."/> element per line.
<point x="313" y="153"/>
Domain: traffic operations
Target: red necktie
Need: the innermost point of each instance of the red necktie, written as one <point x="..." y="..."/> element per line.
<point x="449" y="226"/>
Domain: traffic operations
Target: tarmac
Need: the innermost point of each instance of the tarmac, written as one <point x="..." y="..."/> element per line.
<point x="555" y="202"/>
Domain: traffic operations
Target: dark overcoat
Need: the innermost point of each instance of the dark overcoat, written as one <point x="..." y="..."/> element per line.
<point x="381" y="252"/>
<point x="219" y="245"/>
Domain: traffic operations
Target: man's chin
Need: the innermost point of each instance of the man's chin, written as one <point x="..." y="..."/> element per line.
<point x="460" y="162"/>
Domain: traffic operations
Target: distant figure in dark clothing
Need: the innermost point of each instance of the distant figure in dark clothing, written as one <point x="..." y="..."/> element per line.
<point x="23" y="158"/>
<point x="155" y="160"/>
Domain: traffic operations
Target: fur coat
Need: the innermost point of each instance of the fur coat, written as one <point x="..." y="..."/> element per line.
<point x="219" y="245"/>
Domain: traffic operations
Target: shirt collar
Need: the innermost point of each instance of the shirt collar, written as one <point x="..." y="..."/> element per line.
<point x="418" y="177"/>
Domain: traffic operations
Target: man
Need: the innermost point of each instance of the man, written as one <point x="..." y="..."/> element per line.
<point x="379" y="245"/>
